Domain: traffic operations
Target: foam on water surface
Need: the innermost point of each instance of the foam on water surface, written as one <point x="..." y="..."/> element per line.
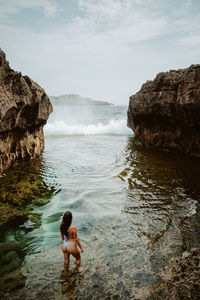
<point x="117" y="127"/>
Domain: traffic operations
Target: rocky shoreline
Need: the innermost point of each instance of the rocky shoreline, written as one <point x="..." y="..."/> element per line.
<point x="21" y="191"/>
<point x="24" y="109"/>
<point x="165" y="113"/>
<point x="182" y="278"/>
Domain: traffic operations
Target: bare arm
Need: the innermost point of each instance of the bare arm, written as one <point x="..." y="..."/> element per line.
<point x="77" y="241"/>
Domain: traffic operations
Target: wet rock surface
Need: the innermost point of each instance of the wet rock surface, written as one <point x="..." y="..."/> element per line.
<point x="24" y="109"/>
<point x="11" y="281"/>
<point x="21" y="191"/>
<point x="165" y="113"/>
<point x="183" y="278"/>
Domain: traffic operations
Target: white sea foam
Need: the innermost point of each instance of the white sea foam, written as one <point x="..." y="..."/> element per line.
<point x="117" y="127"/>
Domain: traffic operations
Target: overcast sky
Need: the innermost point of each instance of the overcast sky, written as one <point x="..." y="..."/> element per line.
<point x="103" y="49"/>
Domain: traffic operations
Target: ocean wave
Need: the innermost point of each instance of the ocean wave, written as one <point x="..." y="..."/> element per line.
<point x="117" y="127"/>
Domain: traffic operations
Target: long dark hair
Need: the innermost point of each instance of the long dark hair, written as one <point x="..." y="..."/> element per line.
<point x="66" y="222"/>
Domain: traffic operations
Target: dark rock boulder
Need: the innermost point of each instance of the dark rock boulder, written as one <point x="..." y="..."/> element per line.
<point x="24" y="109"/>
<point x="165" y="113"/>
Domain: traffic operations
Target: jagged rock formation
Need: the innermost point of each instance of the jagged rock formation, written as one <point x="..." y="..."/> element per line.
<point x="24" y="109"/>
<point x="165" y="113"/>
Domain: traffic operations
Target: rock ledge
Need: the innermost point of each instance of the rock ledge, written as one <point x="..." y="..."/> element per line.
<point x="24" y="109"/>
<point x="165" y="113"/>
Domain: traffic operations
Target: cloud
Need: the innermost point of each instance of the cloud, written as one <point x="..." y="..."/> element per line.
<point x="8" y="8"/>
<point x="102" y="10"/>
<point x="191" y="42"/>
<point x="107" y="49"/>
<point x="125" y="21"/>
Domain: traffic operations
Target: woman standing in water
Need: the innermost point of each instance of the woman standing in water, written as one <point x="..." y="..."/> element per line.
<point x="70" y="239"/>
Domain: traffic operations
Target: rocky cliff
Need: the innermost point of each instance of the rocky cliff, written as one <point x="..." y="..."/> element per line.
<point x="165" y="113"/>
<point x="24" y="109"/>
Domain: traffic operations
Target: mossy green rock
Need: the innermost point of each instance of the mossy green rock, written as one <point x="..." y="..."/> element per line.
<point x="11" y="281"/>
<point x="22" y="190"/>
<point x="11" y="261"/>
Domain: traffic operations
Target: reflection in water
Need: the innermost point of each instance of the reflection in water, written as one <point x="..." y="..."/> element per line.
<point x="21" y="190"/>
<point x="71" y="281"/>
<point x="135" y="208"/>
<point x="162" y="204"/>
<point x="163" y="192"/>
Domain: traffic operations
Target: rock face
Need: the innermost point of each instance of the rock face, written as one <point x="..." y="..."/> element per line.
<point x="165" y="113"/>
<point x="24" y="109"/>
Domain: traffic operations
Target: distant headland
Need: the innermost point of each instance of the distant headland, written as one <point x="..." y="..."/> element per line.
<point x="73" y="99"/>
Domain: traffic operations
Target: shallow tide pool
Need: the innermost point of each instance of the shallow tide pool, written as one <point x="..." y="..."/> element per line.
<point x="136" y="209"/>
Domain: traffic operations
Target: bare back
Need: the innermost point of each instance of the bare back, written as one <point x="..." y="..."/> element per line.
<point x="72" y="234"/>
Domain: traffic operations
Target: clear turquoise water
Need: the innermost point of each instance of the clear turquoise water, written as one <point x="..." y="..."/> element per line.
<point x="135" y="209"/>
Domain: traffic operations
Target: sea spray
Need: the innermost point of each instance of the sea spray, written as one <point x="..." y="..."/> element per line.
<point x="87" y="120"/>
<point x="117" y="127"/>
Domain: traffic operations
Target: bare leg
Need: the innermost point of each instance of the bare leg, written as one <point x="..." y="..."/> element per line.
<point x="66" y="259"/>
<point x="72" y="249"/>
<point x="78" y="259"/>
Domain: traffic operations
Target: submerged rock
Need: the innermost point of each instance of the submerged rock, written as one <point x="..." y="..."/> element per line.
<point x="11" y="281"/>
<point x="24" y="109"/>
<point x="183" y="281"/>
<point x="22" y="190"/>
<point x="165" y="113"/>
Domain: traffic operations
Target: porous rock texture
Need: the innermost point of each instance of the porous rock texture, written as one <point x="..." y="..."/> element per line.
<point x="24" y="109"/>
<point x="184" y="278"/>
<point x="165" y="113"/>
